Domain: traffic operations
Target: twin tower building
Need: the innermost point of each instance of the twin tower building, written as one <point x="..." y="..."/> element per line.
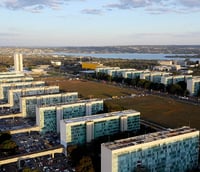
<point x="18" y="62"/>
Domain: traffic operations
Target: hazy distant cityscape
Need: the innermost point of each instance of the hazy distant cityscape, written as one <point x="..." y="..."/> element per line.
<point x="156" y="49"/>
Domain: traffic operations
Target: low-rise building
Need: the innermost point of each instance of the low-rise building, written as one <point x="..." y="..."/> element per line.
<point x="162" y="68"/>
<point x="91" y="65"/>
<point x="165" y="62"/>
<point x="56" y="63"/>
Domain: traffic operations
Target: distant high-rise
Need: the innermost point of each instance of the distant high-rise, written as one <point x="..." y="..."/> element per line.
<point x="18" y="62"/>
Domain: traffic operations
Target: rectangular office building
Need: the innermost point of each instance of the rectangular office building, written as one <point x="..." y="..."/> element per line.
<point x="168" y="80"/>
<point x="174" y="150"/>
<point x="15" y="94"/>
<point x="85" y="129"/>
<point x="13" y="80"/>
<point x="105" y="69"/>
<point x="48" y="117"/>
<point x="5" y="87"/>
<point x="193" y="85"/>
<point x="28" y="103"/>
<point x="11" y="75"/>
<point x="154" y="77"/>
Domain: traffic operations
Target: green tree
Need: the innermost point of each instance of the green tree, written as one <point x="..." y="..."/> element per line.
<point x="8" y="144"/>
<point x="85" y="165"/>
<point x="4" y="137"/>
<point x="176" y="89"/>
<point x="27" y="169"/>
<point x="147" y="85"/>
<point x="182" y="84"/>
<point x="198" y="93"/>
<point x="141" y="83"/>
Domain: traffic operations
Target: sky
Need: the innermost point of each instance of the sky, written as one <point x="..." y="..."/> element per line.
<point x="99" y="22"/>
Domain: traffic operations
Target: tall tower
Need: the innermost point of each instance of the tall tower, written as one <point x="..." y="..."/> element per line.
<point x="18" y="62"/>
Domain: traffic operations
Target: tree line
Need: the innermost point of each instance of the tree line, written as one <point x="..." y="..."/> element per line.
<point x="180" y="88"/>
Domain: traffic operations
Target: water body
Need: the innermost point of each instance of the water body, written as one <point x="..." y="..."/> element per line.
<point x="143" y="56"/>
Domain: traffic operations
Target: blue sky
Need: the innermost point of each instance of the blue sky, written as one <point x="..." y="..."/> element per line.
<point x="99" y="22"/>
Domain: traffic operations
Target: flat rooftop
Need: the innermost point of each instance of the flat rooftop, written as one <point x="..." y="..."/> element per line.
<point x="35" y="88"/>
<point x="100" y="116"/>
<point x="15" y="123"/>
<point x="21" y="83"/>
<point x="197" y="78"/>
<point x="13" y="79"/>
<point x="148" y="138"/>
<point x="47" y="94"/>
<point x="12" y="76"/>
<point x="70" y="103"/>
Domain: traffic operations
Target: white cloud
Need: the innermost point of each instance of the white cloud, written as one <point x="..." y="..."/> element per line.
<point x="190" y="3"/>
<point x="32" y="5"/>
<point x="151" y="6"/>
<point x="158" y="6"/>
<point x="128" y="4"/>
<point x="92" y="11"/>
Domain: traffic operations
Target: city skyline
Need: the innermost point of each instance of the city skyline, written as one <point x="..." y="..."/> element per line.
<point x="99" y="23"/>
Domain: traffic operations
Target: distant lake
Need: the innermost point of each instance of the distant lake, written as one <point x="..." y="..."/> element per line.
<point x="143" y="56"/>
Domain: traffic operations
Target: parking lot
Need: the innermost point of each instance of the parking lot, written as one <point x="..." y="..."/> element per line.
<point x="15" y="123"/>
<point x="43" y="164"/>
<point x="35" y="142"/>
<point x="8" y="111"/>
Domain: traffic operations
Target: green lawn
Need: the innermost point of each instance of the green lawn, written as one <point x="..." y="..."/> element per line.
<point x="89" y="89"/>
<point x="165" y="111"/>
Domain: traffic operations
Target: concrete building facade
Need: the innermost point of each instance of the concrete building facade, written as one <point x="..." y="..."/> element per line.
<point x="84" y="129"/>
<point x="5" y="87"/>
<point x="105" y="69"/>
<point x="168" y="80"/>
<point x="154" y="77"/>
<point x="165" y="62"/>
<point x="133" y="74"/>
<point x="18" y="62"/>
<point x="48" y="117"/>
<point x="14" y="95"/>
<point x="13" y="80"/>
<point x="193" y="85"/>
<point x="12" y="75"/>
<point x="28" y="103"/>
<point x="118" y="72"/>
<point x="173" y="150"/>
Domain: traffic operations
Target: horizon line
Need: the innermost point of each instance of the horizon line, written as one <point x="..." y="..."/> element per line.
<point x="82" y="46"/>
